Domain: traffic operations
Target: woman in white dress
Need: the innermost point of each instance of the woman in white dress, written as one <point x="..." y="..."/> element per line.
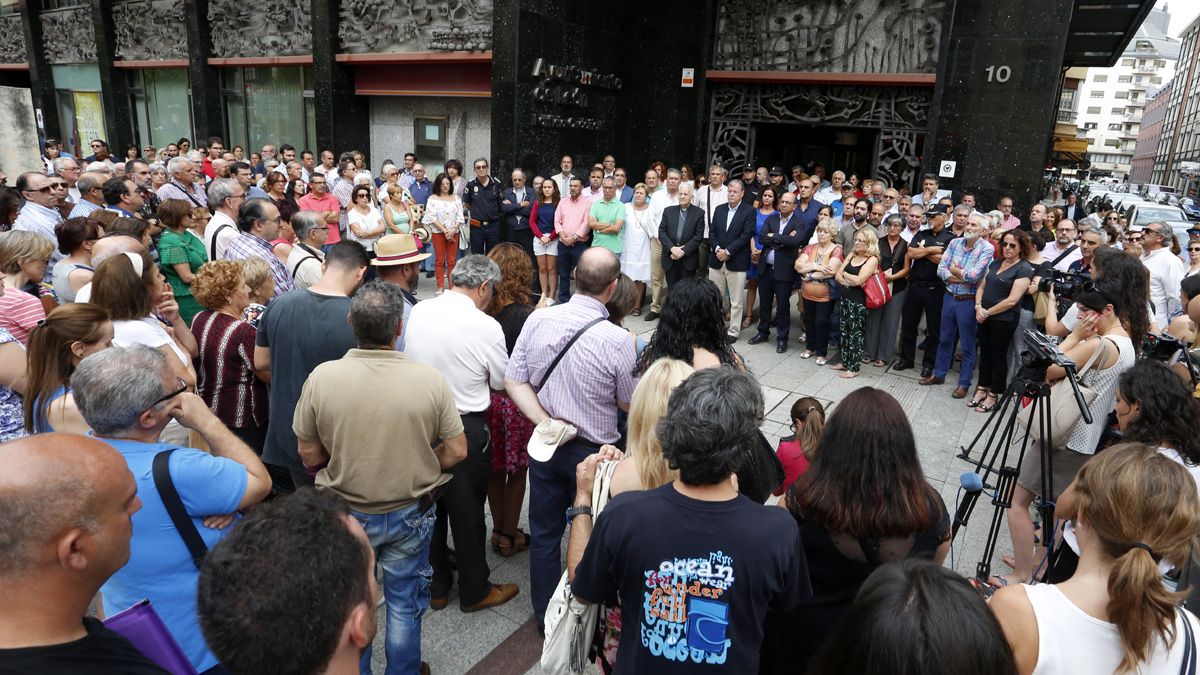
<point x="639" y="228"/>
<point x="364" y="222"/>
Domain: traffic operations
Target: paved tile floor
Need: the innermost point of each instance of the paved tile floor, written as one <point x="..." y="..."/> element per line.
<point x="453" y="642"/>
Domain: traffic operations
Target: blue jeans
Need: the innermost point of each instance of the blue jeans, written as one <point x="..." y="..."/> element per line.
<point x="401" y="542"/>
<point x="568" y="258"/>
<point x="958" y="323"/>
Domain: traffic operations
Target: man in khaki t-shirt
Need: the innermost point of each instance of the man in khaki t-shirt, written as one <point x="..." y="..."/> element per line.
<point x="371" y="421"/>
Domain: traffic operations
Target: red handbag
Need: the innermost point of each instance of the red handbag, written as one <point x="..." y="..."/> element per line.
<point x="878" y="290"/>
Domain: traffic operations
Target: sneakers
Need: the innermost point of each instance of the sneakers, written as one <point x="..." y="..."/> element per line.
<point x="497" y="595"/>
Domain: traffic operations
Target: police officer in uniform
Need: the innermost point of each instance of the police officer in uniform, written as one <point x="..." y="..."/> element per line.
<point x="484" y="197"/>
<point x="925" y="291"/>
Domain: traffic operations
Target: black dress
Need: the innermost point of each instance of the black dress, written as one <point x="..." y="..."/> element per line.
<point x="838" y="564"/>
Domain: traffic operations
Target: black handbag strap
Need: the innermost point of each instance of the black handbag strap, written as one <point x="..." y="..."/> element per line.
<point x="174" y="505"/>
<point x="212" y="248"/>
<point x="554" y="364"/>
<point x="1188" y="666"/>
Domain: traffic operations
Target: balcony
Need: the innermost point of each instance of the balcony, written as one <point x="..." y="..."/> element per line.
<point x="1145" y="70"/>
<point x="1067" y="116"/>
<point x="1128" y="134"/>
<point x="1134" y="117"/>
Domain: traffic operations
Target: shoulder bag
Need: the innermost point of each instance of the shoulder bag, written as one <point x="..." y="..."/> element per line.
<point x="878" y="290"/>
<point x="554" y="364"/>
<point x="571" y="624"/>
<point x="145" y="630"/>
<point x="174" y="505"/>
<point x="1062" y="407"/>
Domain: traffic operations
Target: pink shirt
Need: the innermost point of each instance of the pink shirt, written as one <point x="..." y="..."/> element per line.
<point x="310" y="202"/>
<point x="572" y="217"/>
<point x="20" y="312"/>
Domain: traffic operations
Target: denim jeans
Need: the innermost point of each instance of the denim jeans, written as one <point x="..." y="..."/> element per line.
<point x="958" y="325"/>
<point x="401" y="542"/>
<point x="551" y="491"/>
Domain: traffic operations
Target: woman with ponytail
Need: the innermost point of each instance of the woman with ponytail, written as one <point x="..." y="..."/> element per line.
<point x="796" y="451"/>
<point x="56" y="346"/>
<point x="1133" y="510"/>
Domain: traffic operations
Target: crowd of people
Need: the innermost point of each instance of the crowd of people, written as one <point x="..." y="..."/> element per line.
<point x="214" y="368"/>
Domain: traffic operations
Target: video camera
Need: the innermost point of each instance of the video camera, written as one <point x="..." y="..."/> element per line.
<point x="1041" y="352"/>
<point x="1160" y="347"/>
<point x="1066" y="284"/>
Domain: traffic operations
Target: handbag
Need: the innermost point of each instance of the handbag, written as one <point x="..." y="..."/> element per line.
<point x="1061" y="407"/>
<point x="761" y="471"/>
<point x="571" y="624"/>
<point x="878" y="290"/>
<point x="144" y="628"/>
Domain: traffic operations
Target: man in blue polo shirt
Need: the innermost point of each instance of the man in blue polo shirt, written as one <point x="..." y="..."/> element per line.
<point x="127" y="396"/>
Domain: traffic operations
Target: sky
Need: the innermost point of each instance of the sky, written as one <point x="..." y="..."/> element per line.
<point x="1182" y="13"/>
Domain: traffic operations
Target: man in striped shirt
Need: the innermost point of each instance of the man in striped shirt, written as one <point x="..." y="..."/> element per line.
<point x="91" y="195"/>
<point x="183" y="184"/>
<point x="40" y="213"/>
<point x="258" y="220"/>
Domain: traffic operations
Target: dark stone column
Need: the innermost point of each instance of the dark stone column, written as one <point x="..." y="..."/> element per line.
<point x="204" y="82"/>
<point x="996" y="96"/>
<point x="41" y="79"/>
<point x="343" y="118"/>
<point x="114" y="89"/>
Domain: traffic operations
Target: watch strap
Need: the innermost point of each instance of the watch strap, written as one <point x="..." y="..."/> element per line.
<point x="577" y="511"/>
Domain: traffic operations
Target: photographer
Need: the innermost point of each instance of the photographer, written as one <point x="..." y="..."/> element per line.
<point x="1133" y="284"/>
<point x="1101" y="340"/>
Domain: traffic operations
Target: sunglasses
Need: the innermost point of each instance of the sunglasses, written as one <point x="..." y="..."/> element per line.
<point x="1193" y="250"/>
<point x="1133" y="239"/>
<point x="182" y="388"/>
<point x="1010" y="244"/>
<point x="44" y="189"/>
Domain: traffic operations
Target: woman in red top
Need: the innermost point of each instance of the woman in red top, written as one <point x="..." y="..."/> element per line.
<point x="795" y="451"/>
<point x="225" y="366"/>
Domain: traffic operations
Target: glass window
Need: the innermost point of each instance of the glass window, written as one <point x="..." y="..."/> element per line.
<point x="1127" y="62"/>
<point x="1094" y="111"/>
<point x="161" y="111"/>
<point x="1122" y="94"/>
<point x="267" y="105"/>
<point x="1097" y="94"/>
<point x="9" y="7"/>
<point x="1124" y="79"/>
<point x="1100" y="78"/>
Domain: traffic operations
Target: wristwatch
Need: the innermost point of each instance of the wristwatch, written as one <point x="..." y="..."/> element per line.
<point x="578" y="511"/>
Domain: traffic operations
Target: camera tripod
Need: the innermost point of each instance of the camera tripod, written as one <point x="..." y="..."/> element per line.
<point x="1003" y="430"/>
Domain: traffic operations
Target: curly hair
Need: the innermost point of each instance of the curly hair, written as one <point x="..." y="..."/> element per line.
<point x="516" y="276"/>
<point x="692" y="316"/>
<point x="1131" y="292"/>
<point x="215" y="281"/>
<point x="1168" y="415"/>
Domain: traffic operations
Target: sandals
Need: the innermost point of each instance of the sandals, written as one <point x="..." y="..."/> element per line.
<point x="984" y="407"/>
<point x="849" y="374"/>
<point x="838" y="366"/>
<point x="806" y="355"/>
<point x="976" y="399"/>
<point x="637" y="312"/>
<point x="880" y="363"/>
<point x="746" y="321"/>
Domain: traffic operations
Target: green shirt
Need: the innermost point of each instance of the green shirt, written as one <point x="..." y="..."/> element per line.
<point x="608" y="213"/>
<point x="180" y="248"/>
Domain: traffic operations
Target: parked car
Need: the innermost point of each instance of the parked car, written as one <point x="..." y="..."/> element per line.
<point x="1143" y="212"/>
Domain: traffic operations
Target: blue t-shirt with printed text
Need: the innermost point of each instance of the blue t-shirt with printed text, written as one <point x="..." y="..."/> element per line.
<point x="694" y="578"/>
<point x="160" y="568"/>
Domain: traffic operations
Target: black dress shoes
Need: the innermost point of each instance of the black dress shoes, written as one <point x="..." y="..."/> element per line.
<point x="651" y="316"/>
<point x="781" y="347"/>
<point x="903" y="365"/>
<point x="759" y="338"/>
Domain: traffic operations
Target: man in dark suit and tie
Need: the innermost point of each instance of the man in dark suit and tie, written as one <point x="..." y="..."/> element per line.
<point x="1073" y="210"/>
<point x="680" y="232"/>
<point x="514" y="209"/>
<point x="783" y="235"/>
<point x="732" y="226"/>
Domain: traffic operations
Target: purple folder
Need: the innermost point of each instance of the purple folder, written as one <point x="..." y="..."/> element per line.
<point x="142" y="626"/>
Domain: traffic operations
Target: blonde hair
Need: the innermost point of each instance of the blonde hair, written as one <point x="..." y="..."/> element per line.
<point x="255" y="271"/>
<point x="21" y="246"/>
<point x="1133" y="497"/>
<point x="394" y="189"/>
<point x="827" y="226"/>
<point x="649" y="404"/>
<point x="870" y="239"/>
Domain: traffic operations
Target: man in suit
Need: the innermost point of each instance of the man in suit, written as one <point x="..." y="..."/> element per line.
<point x="515" y="218"/>
<point x="1073" y="209"/>
<point x="733" y="224"/>
<point x="680" y="232"/>
<point x="783" y="235"/>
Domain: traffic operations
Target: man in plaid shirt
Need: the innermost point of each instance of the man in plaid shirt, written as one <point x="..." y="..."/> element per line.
<point x="962" y="266"/>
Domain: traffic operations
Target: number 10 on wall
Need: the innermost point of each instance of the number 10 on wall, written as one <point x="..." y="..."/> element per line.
<point x="998" y="73"/>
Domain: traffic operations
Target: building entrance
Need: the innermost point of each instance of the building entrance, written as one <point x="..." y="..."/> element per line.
<point x="849" y="149"/>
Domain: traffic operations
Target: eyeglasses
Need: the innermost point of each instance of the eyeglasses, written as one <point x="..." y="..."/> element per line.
<point x="182" y="388"/>
<point x="316" y="182"/>
<point x="1010" y="244"/>
<point x="1133" y="238"/>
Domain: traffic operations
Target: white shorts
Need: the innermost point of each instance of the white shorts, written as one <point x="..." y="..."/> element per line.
<point x="545" y="249"/>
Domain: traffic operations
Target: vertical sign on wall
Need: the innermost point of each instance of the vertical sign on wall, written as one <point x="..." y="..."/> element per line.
<point x="89" y="117"/>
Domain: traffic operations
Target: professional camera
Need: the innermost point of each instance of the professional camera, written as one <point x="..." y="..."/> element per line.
<point x="1041" y="352"/>
<point x="1066" y="284"/>
<point x="1160" y="347"/>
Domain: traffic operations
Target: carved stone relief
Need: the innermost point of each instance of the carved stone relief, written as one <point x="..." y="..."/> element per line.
<point x="69" y="35"/>
<point x="150" y="30"/>
<point x="368" y="26"/>
<point x="901" y="114"/>
<point x="12" y="39"/>
<point x="266" y="28"/>
<point x="858" y="36"/>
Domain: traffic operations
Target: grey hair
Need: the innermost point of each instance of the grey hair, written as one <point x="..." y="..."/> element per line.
<point x="963" y="208"/>
<point x="674" y="171"/>
<point x="303" y="223"/>
<point x="101" y="167"/>
<point x="90" y="181"/>
<point x="711" y="418"/>
<point x="176" y="165"/>
<point x="294" y="165"/>
<point x="195" y="156"/>
<point x="738" y="182"/>
<point x="375" y="313"/>
<point x="221" y="189"/>
<point x="115" y="386"/>
<point x="60" y="162"/>
<point x="157" y="166"/>
<point x="474" y="270"/>
<point x="997" y="217"/>
<point x="1101" y="235"/>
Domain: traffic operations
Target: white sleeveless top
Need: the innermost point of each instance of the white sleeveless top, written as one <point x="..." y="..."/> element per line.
<point x="1070" y="641"/>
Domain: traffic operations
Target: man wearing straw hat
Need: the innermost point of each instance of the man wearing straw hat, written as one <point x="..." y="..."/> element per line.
<point x="398" y="260"/>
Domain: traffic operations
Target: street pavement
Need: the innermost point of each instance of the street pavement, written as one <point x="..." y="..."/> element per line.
<point x="503" y="640"/>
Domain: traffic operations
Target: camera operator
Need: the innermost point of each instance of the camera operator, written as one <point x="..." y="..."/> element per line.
<point x="1098" y="338"/>
<point x="1133" y="283"/>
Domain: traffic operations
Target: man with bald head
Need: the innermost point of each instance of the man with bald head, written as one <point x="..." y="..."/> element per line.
<point x="591" y="380"/>
<point x="66" y="508"/>
<point x="107" y="247"/>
